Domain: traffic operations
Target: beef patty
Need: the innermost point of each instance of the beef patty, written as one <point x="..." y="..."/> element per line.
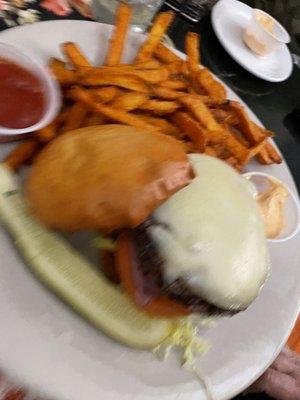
<point x="151" y="265"/>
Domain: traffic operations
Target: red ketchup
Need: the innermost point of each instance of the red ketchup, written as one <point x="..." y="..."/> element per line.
<point x="22" y="96"/>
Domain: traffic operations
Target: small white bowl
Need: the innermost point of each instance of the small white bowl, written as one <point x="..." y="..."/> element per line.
<point x="262" y="41"/>
<point x="291" y="227"/>
<point x="52" y="90"/>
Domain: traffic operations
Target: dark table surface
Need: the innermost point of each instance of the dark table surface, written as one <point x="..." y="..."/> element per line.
<point x="275" y="104"/>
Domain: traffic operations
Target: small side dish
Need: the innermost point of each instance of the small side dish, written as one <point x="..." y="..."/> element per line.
<point x="264" y="34"/>
<point x="271" y="203"/>
<point x="23" y="99"/>
<point x="30" y="96"/>
<point x="279" y="206"/>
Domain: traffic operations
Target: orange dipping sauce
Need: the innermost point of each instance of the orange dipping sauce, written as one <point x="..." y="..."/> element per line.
<point x="22" y="96"/>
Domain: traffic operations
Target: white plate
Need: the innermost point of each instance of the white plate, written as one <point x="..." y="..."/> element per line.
<point x="229" y="18"/>
<point x="54" y="351"/>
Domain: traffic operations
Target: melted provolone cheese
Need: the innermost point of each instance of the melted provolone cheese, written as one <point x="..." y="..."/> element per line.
<point x="211" y="235"/>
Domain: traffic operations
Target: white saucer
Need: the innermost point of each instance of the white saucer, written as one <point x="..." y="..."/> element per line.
<point x="229" y="18"/>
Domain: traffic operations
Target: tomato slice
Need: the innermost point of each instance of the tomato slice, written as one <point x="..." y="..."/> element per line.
<point x="108" y="265"/>
<point x="127" y="266"/>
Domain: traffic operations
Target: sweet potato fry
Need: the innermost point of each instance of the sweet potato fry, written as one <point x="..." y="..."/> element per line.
<point x="189" y="147"/>
<point x="210" y="151"/>
<point x="217" y="134"/>
<point x="252" y="132"/>
<point x="221" y="152"/>
<point x="234" y="163"/>
<point x="178" y="68"/>
<point x="50" y="131"/>
<point x="254" y="150"/>
<point x="84" y="72"/>
<point x="121" y="68"/>
<point x="263" y="157"/>
<point x="200" y="111"/>
<point x="62" y="74"/>
<point x="158" y="29"/>
<point x="227" y="141"/>
<point x="151" y="76"/>
<point x="159" y="107"/>
<point x="21" y="154"/>
<point x="165" y="93"/>
<point x="273" y="153"/>
<point x="162" y="125"/>
<point x="93" y="119"/>
<point x="47" y="133"/>
<point x="123" y="16"/>
<point x="268" y="155"/>
<point x="223" y="116"/>
<point x="165" y="55"/>
<point x="120" y="116"/>
<point x="192" y="50"/>
<point x="105" y="94"/>
<point x="75" y="117"/>
<point x="148" y="64"/>
<point x="129" y="101"/>
<point x="125" y="81"/>
<point x="238" y="135"/>
<point x="74" y="55"/>
<point x="175" y="84"/>
<point x="191" y="128"/>
<point x="204" y="81"/>
<point x="212" y="102"/>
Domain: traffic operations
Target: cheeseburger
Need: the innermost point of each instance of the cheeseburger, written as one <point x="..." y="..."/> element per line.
<point x="189" y="234"/>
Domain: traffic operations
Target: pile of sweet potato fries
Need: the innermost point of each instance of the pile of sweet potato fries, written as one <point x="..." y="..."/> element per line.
<point x="158" y="91"/>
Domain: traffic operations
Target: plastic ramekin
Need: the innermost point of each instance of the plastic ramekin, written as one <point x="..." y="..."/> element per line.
<point x="291" y="216"/>
<point x="52" y="90"/>
<point x="265" y="41"/>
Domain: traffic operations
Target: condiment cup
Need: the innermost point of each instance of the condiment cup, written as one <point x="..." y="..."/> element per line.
<point x="291" y="216"/>
<point x="261" y="40"/>
<point x="52" y="91"/>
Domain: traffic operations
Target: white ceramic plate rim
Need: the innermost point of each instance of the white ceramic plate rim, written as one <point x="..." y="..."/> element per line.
<point x="249" y="67"/>
<point x="16" y="368"/>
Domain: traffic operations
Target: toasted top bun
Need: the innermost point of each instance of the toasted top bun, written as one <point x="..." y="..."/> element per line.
<point x="105" y="177"/>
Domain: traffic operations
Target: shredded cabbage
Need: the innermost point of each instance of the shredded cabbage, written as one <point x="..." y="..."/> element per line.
<point x="184" y="335"/>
